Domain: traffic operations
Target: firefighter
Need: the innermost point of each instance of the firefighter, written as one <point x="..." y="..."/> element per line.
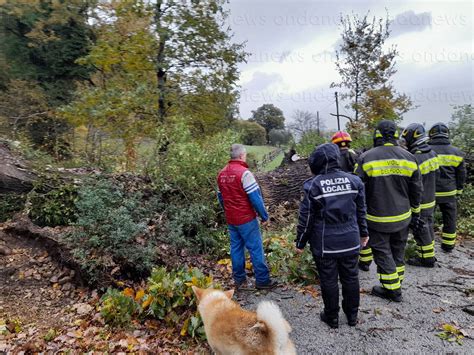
<point x="348" y="157"/>
<point x="393" y="194"/>
<point x="452" y="175"/>
<point x="416" y="141"/>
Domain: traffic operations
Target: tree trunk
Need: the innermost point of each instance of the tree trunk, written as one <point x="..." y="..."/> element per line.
<point x="160" y="70"/>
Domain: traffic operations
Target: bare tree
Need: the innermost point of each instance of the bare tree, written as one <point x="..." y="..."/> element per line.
<point x="306" y="121"/>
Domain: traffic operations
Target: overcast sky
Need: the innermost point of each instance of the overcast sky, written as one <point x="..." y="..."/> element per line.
<point x="292" y="46"/>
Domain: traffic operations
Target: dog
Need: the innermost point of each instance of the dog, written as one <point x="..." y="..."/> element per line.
<point x="233" y="330"/>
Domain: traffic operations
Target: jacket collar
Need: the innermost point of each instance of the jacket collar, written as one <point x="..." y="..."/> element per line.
<point x="239" y="162"/>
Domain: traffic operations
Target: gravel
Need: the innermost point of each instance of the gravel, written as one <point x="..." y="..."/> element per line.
<point x="384" y="326"/>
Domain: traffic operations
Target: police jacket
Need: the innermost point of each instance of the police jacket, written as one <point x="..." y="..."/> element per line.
<point x="348" y="160"/>
<point x="393" y="187"/>
<point x="452" y="172"/>
<point x="332" y="213"/>
<point x="428" y="164"/>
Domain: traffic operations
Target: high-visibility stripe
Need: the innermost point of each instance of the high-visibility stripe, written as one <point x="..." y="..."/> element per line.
<point x="355" y="167"/>
<point x="394" y="286"/>
<point x="416" y="209"/>
<point x="429" y="165"/>
<point x="389" y="219"/>
<point x="426" y="247"/>
<point x="427" y="255"/>
<point x="459" y="192"/>
<point x="448" y="238"/>
<point x="446" y="193"/>
<point x="425" y="206"/>
<point x="387" y="277"/>
<point x="390" y="167"/>
<point x="401" y="268"/>
<point x="365" y="255"/>
<point x="449" y="235"/>
<point x="449" y="160"/>
<point x="448" y="242"/>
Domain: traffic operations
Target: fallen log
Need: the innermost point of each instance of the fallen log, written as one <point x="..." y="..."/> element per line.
<point x="15" y="175"/>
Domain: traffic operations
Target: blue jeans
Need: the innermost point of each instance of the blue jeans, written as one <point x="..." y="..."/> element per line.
<point x="248" y="236"/>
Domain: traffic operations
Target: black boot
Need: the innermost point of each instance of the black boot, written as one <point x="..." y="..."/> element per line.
<point x="333" y="323"/>
<point x="447" y="249"/>
<point x="351" y="319"/>
<point x="417" y="261"/>
<point x="395" y="296"/>
<point x="364" y="266"/>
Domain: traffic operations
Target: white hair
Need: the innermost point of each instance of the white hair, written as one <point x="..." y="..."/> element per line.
<point x="237" y="150"/>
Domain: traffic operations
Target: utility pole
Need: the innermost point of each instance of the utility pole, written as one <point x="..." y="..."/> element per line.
<point x="337" y="113"/>
<point x="317" y="121"/>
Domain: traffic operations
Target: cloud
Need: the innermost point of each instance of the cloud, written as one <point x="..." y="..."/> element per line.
<point x="409" y="21"/>
<point x="262" y="81"/>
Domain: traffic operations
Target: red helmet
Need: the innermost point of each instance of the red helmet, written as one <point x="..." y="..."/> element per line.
<point x="341" y="137"/>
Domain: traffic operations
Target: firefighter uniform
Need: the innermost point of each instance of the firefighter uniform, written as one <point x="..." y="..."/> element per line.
<point x="393" y="194"/>
<point x="348" y="157"/>
<point x="416" y="141"/>
<point x="450" y="183"/>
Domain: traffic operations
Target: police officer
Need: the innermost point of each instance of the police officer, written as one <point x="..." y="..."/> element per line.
<point x="416" y="141"/>
<point x="333" y="219"/>
<point x="348" y="157"/>
<point x="393" y="194"/>
<point x="450" y="183"/>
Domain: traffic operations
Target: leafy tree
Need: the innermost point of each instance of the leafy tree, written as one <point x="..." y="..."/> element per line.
<point x="269" y="117"/>
<point x="42" y="39"/>
<point x="366" y="68"/>
<point x="308" y="142"/>
<point x="251" y="132"/>
<point x="194" y="47"/>
<point x="462" y="127"/>
<point x="280" y="137"/>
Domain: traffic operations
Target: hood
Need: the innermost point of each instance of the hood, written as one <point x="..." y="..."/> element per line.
<point x="324" y="159"/>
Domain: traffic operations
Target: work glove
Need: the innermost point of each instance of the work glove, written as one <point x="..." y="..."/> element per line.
<point x="416" y="224"/>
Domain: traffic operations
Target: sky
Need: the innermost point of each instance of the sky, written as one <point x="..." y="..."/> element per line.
<point x="292" y="54"/>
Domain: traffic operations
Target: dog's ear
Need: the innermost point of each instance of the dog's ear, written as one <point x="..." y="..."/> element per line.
<point x="198" y="292"/>
<point x="229" y="294"/>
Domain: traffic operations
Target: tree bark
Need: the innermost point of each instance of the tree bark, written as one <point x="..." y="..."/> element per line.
<point x="15" y="175"/>
<point x="160" y="70"/>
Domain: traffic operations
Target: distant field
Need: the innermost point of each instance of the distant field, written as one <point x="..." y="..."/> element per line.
<point x="275" y="163"/>
<point x="259" y="150"/>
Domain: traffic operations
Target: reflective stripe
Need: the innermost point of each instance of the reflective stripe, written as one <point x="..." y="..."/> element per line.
<point x="449" y="160"/>
<point x="390" y="167"/>
<point x="394" y="286"/>
<point x="385" y="277"/>
<point x="425" y="206"/>
<point x="416" y="210"/>
<point x="355" y="167"/>
<point x="446" y="193"/>
<point x="459" y="192"/>
<point x="449" y="235"/>
<point x="448" y="238"/>
<point x="427" y="255"/>
<point x="401" y="268"/>
<point x="426" y="247"/>
<point x="448" y="242"/>
<point x="389" y="219"/>
<point x="366" y="251"/>
<point x="429" y="165"/>
<point x="366" y="259"/>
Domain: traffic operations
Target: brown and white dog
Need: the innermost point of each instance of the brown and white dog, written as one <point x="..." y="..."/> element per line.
<point x="233" y="330"/>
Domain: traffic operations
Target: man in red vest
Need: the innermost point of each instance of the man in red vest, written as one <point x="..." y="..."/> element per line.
<point x="242" y="200"/>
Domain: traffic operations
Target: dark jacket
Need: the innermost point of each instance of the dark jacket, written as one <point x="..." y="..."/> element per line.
<point x="348" y="160"/>
<point x="393" y="187"/>
<point x="332" y="213"/>
<point x="428" y="164"/>
<point x="452" y="171"/>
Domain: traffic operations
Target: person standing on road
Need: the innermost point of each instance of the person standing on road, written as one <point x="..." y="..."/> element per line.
<point x="450" y="183"/>
<point x="393" y="192"/>
<point x="416" y="140"/>
<point x="240" y="196"/>
<point x="332" y="218"/>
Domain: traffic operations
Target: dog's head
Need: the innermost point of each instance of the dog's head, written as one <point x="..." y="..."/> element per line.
<point x="202" y="293"/>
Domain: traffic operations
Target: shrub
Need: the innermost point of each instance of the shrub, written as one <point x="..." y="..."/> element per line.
<point x="168" y="296"/>
<point x="10" y="204"/>
<point x="108" y="223"/>
<point x="466" y="212"/>
<point x="55" y="207"/>
<point x="308" y="142"/>
<point x="284" y="262"/>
